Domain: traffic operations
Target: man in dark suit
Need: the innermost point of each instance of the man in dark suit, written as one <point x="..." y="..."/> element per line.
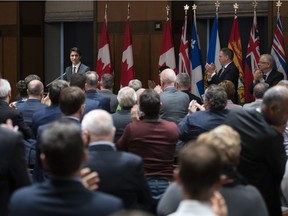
<point x="106" y="89"/>
<point x="229" y="71"/>
<point x="77" y="66"/>
<point x="7" y="112"/>
<point x="121" y="173"/>
<point x="63" y="153"/>
<point x="92" y="93"/>
<point x="13" y="171"/>
<point x="35" y="90"/>
<point x="265" y="72"/>
<point x="263" y="157"/>
<point x="174" y="102"/>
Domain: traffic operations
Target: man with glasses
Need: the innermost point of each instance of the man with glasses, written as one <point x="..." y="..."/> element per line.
<point x="265" y="72"/>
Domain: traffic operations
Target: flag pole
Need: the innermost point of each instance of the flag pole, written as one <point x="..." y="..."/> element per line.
<point x="278" y="5"/>
<point x="235" y="6"/>
<point x="167" y="12"/>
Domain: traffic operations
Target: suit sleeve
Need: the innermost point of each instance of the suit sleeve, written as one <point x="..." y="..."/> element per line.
<point x="27" y="131"/>
<point x="122" y="143"/>
<point x="187" y="131"/>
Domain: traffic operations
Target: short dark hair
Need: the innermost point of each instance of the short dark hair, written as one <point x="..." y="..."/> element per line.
<point x="107" y="81"/>
<point x="228" y="52"/>
<point x="259" y="89"/>
<point x="216" y="97"/>
<point x="21" y="88"/>
<point x="161" y="68"/>
<point x="62" y="145"/>
<point x="75" y="49"/>
<point x="78" y="79"/>
<point x="150" y="104"/>
<point x="199" y="168"/>
<point x="55" y="90"/>
<point x="71" y="100"/>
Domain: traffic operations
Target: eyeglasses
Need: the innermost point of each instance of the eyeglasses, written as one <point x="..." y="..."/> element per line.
<point x="263" y="62"/>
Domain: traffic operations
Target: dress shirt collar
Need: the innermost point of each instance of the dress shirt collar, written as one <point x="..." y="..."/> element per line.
<point x="103" y="143"/>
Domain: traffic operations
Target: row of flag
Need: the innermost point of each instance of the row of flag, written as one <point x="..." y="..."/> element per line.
<point x="190" y="54"/>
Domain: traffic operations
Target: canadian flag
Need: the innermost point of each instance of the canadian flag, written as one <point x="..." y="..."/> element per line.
<point x="167" y="53"/>
<point x="127" y="57"/>
<point x="104" y="64"/>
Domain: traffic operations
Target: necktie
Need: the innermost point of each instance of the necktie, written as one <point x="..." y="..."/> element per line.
<point x="264" y="76"/>
<point x="221" y="72"/>
<point x="74" y="70"/>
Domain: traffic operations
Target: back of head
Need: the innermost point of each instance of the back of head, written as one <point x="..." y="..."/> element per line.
<point x="92" y="79"/>
<point x="35" y="88"/>
<point x="98" y="123"/>
<point x="227" y="141"/>
<point x="79" y="80"/>
<point x="150" y="104"/>
<point x="127" y="97"/>
<point x="5" y="88"/>
<point x="215" y="97"/>
<point x="135" y="84"/>
<point x="229" y="88"/>
<point x="183" y="80"/>
<point x="31" y="77"/>
<point x="71" y="100"/>
<point x="163" y="68"/>
<point x="199" y="168"/>
<point x="275" y="105"/>
<point x="259" y="89"/>
<point x="283" y="83"/>
<point x="62" y="145"/>
<point x="107" y="81"/>
<point x="21" y="88"/>
<point x="167" y="76"/>
<point x="55" y="90"/>
<point x="228" y="52"/>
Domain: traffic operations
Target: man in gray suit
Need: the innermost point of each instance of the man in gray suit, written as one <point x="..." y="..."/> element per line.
<point x="258" y="93"/>
<point x="174" y="103"/>
<point x="77" y="66"/>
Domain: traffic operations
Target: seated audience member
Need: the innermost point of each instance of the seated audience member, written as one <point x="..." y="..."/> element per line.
<point x="258" y="93"/>
<point x="183" y="83"/>
<point x="135" y="84"/>
<point x="234" y="187"/>
<point x="63" y="153"/>
<point x="52" y="112"/>
<point x="79" y="80"/>
<point x="215" y="100"/>
<point x="230" y="91"/>
<point x="6" y="112"/>
<point x="174" y="102"/>
<point x="127" y="169"/>
<point x="106" y="89"/>
<point x="199" y="177"/>
<point x="35" y="90"/>
<point x="92" y="93"/>
<point x="154" y="140"/>
<point x="13" y="170"/>
<point x="127" y="98"/>
<point x="265" y="72"/>
<point x="264" y="167"/>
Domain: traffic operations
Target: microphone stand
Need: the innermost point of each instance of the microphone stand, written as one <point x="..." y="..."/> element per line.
<point x="56" y="79"/>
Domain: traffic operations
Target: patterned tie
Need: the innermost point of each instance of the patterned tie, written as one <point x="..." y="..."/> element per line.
<point x="74" y="70"/>
<point x="264" y="76"/>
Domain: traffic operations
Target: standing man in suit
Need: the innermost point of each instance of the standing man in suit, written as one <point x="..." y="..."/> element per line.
<point x="63" y="153"/>
<point x="265" y="72"/>
<point x="263" y="157"/>
<point x="229" y="71"/>
<point x="121" y="173"/>
<point x="77" y="66"/>
<point x="13" y="170"/>
<point x="106" y="89"/>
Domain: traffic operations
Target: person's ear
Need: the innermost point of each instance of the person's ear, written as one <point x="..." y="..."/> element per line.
<point x="44" y="161"/>
<point x="85" y="137"/>
<point x="176" y="174"/>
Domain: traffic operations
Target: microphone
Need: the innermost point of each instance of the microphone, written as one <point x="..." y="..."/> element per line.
<point x="56" y="79"/>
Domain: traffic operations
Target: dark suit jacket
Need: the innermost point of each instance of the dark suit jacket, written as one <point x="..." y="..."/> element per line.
<point x="121" y="174"/>
<point x="91" y="105"/>
<point x="199" y="122"/>
<point x="174" y="104"/>
<point x="192" y="97"/>
<point x="113" y="99"/>
<point x="45" y="116"/>
<point x="263" y="158"/>
<point x="28" y="108"/>
<point x="81" y="69"/>
<point x="61" y="198"/>
<point x="13" y="170"/>
<point x="104" y="100"/>
<point x="273" y="78"/>
<point x="120" y="120"/>
<point x="16" y="116"/>
<point x="231" y="73"/>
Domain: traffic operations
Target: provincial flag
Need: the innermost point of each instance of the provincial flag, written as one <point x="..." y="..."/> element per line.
<point x="184" y="63"/>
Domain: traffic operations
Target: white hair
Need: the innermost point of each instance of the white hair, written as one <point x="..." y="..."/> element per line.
<point x="168" y="76"/>
<point x="98" y="123"/>
<point x="5" y="88"/>
<point x="127" y="97"/>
